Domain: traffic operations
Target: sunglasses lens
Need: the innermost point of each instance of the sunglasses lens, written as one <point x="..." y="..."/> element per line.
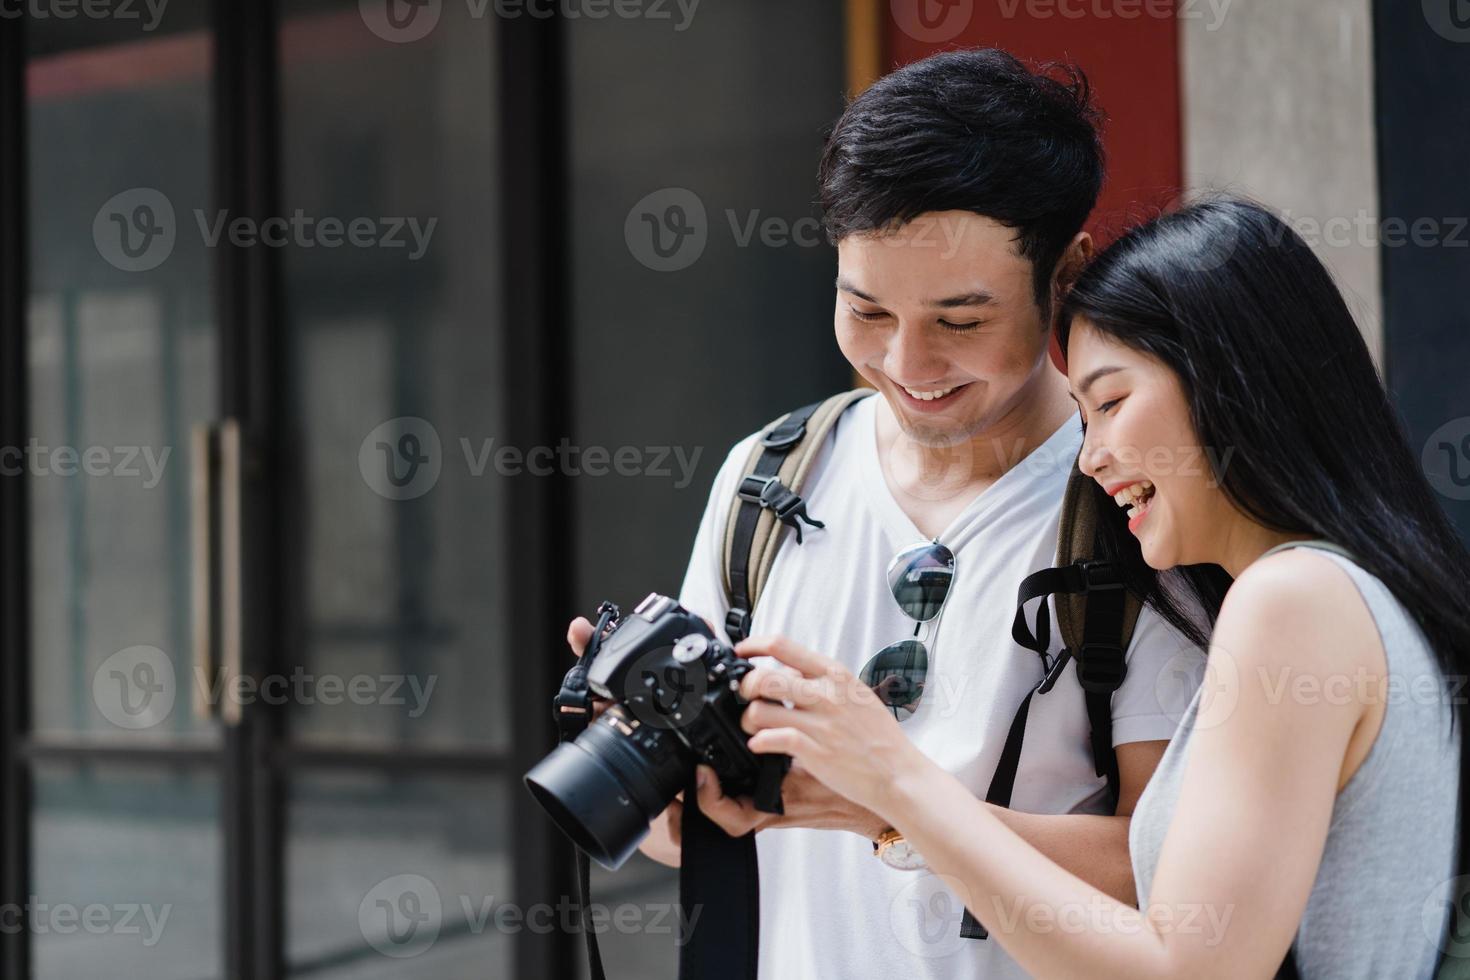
<point x="896" y="674"/>
<point x="919" y="579"/>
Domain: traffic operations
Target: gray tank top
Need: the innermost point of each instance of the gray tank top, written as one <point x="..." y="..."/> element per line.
<point x="1384" y="888"/>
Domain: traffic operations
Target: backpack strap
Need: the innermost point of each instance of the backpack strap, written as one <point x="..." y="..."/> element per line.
<point x="768" y="500"/>
<point x="1096" y="616"/>
<point x="720" y="874"/>
<point x="1096" y="624"/>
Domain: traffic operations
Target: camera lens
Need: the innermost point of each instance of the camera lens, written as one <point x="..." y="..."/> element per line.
<point x="603" y="788"/>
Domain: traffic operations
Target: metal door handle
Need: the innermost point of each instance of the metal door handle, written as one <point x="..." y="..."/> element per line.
<point x="216" y="493"/>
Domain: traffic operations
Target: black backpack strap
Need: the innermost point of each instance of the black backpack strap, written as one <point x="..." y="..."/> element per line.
<point x="1100" y="670"/>
<point x="1101" y="667"/>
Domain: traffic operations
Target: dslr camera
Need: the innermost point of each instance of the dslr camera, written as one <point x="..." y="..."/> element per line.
<point x="675" y="689"/>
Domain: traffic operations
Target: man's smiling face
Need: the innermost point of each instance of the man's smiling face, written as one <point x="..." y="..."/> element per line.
<point x="940" y="316"/>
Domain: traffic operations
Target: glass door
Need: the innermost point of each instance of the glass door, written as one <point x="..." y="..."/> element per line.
<point x="399" y="831"/>
<point x="271" y="720"/>
<point x="122" y="361"/>
<point x="309" y="310"/>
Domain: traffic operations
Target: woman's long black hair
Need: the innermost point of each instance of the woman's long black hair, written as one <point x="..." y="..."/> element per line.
<point x="1273" y="367"/>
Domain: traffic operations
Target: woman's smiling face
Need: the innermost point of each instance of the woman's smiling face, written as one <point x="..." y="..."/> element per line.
<point x="1140" y="445"/>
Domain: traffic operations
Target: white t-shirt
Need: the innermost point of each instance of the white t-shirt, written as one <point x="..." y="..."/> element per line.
<point x="828" y="907"/>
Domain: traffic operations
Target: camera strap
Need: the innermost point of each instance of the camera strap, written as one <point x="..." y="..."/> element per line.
<point x="719" y="888"/>
<point x="719" y="880"/>
<point x="573" y="712"/>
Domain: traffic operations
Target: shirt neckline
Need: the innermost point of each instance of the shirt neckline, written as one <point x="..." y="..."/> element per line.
<point x="1050" y="456"/>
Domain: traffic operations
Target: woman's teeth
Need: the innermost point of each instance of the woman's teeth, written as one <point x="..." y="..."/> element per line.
<point x="1135" y="498"/>
<point x="929" y="396"/>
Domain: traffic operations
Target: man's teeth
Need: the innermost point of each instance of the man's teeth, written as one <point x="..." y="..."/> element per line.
<point x="1134" y="497"/>
<point x="929" y="396"/>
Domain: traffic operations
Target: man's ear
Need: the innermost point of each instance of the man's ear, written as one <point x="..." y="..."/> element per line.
<point x="1074" y="259"/>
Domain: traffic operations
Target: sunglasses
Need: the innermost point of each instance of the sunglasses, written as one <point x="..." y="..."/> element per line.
<point x="919" y="578"/>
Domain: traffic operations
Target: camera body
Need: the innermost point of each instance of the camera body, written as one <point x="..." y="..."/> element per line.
<point x="671" y="673"/>
<point x="675" y="688"/>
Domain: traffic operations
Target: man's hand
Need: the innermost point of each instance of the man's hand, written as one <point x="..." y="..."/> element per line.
<point x="807" y="803"/>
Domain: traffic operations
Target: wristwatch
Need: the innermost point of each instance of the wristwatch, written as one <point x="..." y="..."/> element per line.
<point x="893" y="850"/>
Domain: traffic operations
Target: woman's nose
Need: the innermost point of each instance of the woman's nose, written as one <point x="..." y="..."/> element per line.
<point x="1093" y="458"/>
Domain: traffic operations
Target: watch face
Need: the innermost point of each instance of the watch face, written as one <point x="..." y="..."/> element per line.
<point x="902" y="856"/>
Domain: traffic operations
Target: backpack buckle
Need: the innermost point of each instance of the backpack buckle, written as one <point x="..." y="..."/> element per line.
<point x="1052" y="669"/>
<point x="770" y="493"/>
<point x="1101" y="667"/>
<point x="784" y="437"/>
<point x="755" y="488"/>
<point x="1098" y="576"/>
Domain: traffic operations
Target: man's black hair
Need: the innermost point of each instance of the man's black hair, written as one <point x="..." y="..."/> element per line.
<point x="971" y="130"/>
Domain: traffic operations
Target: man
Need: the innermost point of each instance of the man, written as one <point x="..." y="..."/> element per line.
<point x="955" y="190"/>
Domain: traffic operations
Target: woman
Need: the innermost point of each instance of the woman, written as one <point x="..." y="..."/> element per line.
<point x="1310" y="799"/>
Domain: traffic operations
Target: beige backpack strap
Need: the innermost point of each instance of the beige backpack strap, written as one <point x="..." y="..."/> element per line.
<point x="766" y="489"/>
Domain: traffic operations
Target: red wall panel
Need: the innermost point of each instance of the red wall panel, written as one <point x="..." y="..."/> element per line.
<point x="1130" y="52"/>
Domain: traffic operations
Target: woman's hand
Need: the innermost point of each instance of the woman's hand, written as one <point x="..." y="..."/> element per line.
<point x="836" y="728"/>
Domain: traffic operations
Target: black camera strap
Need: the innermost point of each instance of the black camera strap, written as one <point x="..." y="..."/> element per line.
<point x="719" y="878"/>
<point x="719" y="885"/>
<point x="573" y="713"/>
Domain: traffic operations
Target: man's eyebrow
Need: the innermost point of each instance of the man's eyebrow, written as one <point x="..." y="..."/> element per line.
<point x="1093" y="376"/>
<point x="848" y="287"/>
<point x="978" y="297"/>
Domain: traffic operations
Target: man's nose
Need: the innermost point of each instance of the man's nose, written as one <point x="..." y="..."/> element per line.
<point x="912" y="357"/>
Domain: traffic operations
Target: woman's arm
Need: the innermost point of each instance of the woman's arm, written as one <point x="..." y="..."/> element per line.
<point x="1241" y="854"/>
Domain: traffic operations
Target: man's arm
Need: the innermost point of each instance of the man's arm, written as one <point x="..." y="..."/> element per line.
<point x="1093" y="847"/>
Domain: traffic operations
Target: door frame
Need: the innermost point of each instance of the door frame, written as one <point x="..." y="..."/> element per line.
<point x="255" y="759"/>
<point x="15" y="548"/>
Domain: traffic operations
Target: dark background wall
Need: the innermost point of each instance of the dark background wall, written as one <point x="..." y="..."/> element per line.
<point x="1423" y="73"/>
<point x="734" y="330"/>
